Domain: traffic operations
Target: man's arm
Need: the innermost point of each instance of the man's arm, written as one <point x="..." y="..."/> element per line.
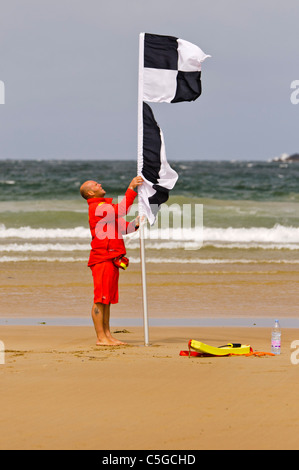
<point x="121" y="209"/>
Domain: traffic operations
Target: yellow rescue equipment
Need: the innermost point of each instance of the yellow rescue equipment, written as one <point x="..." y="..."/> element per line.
<point x="231" y="349"/>
<point x="234" y="349"/>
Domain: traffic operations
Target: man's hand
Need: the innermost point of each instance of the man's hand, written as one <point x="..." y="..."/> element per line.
<point x="136" y="222"/>
<point x="137" y="181"/>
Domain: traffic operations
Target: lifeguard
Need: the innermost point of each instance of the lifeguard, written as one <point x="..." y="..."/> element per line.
<point x="107" y="227"/>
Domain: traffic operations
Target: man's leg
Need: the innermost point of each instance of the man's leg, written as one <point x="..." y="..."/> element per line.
<point x="107" y="325"/>
<point x="98" y="315"/>
<point x="101" y="319"/>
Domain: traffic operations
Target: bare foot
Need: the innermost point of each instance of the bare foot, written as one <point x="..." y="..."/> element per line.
<point x="110" y="342"/>
<point x="115" y="340"/>
<point x="105" y="342"/>
<point x="118" y="342"/>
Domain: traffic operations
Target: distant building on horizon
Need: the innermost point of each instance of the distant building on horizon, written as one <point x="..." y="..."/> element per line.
<point x="286" y="158"/>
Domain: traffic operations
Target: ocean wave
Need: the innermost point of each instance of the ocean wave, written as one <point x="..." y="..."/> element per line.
<point x="222" y="180"/>
<point x="166" y="245"/>
<point x="278" y="236"/>
<point x="189" y="246"/>
<point x="29" y="233"/>
<point x="8" y="182"/>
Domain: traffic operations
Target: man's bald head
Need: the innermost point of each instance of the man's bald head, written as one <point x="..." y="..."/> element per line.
<point x="91" y="189"/>
<point x="85" y="189"/>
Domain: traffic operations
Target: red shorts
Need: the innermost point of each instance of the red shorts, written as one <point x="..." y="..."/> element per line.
<point x="105" y="279"/>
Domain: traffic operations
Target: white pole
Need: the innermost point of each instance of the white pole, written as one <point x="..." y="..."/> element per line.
<point x="139" y="169"/>
<point x="144" y="292"/>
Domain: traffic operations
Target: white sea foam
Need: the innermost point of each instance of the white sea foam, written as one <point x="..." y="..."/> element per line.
<point x="169" y="246"/>
<point x="277" y="234"/>
<point x="29" y="233"/>
<point x="277" y="237"/>
<point x="9" y="182"/>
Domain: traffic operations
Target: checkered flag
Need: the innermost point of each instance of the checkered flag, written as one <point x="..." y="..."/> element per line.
<point x="169" y="71"/>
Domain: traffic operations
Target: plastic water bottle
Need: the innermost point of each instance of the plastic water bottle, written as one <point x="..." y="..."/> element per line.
<point x="276" y="338"/>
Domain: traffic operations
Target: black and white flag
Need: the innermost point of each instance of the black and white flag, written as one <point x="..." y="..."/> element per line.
<point x="169" y="71"/>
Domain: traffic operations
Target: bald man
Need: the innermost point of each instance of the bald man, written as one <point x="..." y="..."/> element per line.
<point x="107" y="226"/>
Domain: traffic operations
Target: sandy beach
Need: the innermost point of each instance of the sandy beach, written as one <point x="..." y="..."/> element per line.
<point x="60" y="391"/>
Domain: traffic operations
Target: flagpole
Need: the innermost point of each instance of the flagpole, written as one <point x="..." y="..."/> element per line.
<point x="139" y="170"/>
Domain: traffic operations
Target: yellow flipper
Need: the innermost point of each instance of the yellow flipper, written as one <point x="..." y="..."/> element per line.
<point x="228" y="349"/>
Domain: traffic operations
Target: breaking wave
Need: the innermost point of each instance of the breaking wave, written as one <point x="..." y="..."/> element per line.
<point x="278" y="237"/>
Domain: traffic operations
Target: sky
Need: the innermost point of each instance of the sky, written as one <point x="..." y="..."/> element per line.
<point x="70" y="71"/>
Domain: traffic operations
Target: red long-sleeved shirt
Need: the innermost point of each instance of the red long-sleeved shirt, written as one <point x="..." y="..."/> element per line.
<point x="107" y="226"/>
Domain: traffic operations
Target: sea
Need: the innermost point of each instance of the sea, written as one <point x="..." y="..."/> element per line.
<point x="249" y="212"/>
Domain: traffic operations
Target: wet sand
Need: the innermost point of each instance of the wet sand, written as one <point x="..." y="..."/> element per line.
<point x="40" y="289"/>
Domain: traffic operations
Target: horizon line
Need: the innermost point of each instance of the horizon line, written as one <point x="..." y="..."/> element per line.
<point x="66" y="159"/>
